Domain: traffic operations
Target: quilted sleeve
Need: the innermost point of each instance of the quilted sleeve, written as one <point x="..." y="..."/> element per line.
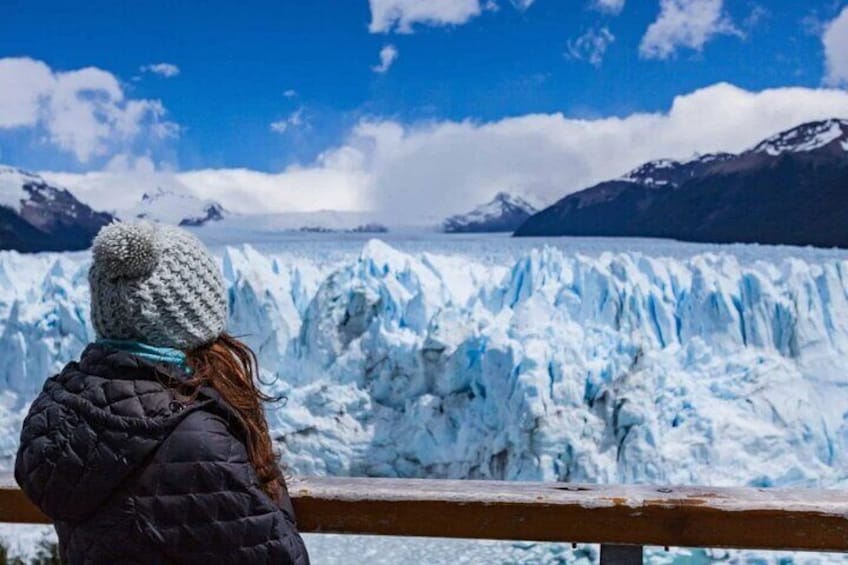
<point x="200" y="500"/>
<point x="72" y="457"/>
<point x="45" y="430"/>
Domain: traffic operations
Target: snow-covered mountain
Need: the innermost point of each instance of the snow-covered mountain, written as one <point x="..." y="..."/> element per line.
<point x="667" y="172"/>
<point x="180" y="207"/>
<point x="826" y="139"/>
<point x="504" y="213"/>
<point x="788" y="189"/>
<point x="828" y="134"/>
<point x="177" y="207"/>
<point x="37" y="216"/>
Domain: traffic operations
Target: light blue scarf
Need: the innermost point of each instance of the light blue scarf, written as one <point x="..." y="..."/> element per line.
<point x="150" y="352"/>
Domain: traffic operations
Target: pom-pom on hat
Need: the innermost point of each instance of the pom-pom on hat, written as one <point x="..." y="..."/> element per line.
<point x="155" y="284"/>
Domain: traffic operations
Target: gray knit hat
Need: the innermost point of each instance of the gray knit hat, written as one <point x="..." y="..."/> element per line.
<point x="155" y="284"/>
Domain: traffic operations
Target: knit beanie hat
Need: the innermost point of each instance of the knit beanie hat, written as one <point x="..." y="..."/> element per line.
<point x="155" y="284"/>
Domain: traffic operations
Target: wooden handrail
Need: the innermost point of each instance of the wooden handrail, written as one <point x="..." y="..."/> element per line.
<point x="743" y="518"/>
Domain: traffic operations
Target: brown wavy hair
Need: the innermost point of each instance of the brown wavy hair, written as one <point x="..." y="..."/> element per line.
<point x="229" y="366"/>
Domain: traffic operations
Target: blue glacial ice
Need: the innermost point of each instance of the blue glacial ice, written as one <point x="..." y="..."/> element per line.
<point x="618" y="367"/>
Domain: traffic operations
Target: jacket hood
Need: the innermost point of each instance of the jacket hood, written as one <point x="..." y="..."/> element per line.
<point x="93" y="425"/>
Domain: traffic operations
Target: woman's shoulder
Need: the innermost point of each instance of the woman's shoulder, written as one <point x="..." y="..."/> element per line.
<point x="206" y="433"/>
<point x="112" y="383"/>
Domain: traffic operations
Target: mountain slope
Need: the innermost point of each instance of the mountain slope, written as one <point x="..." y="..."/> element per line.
<point x="177" y="207"/>
<point x="36" y="216"/>
<point x="792" y="188"/>
<point x="503" y="214"/>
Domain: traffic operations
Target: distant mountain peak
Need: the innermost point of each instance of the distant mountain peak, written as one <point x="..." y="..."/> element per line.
<point x="38" y="216"/>
<point x="504" y="196"/>
<point x="806" y="137"/>
<point x="13" y="186"/>
<point x="504" y="212"/>
<point x="211" y="213"/>
<point x="175" y="206"/>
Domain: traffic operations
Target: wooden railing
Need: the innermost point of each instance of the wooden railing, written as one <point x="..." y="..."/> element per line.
<point x="622" y="519"/>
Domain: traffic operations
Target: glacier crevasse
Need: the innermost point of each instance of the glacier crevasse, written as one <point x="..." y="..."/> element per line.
<point x="616" y="368"/>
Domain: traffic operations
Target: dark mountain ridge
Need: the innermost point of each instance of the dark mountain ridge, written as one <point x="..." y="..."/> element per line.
<point x="36" y="216"/>
<point x="792" y="188"/>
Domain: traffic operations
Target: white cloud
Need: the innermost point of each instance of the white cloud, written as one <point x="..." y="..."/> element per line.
<point x="167" y="70"/>
<point x="756" y="16"/>
<point x="388" y="54"/>
<point x="835" y="39"/>
<point x="685" y="23"/>
<point x="290" y="93"/>
<point x="608" y="6"/>
<point x="591" y="46"/>
<point x="426" y="171"/>
<point x="336" y="180"/>
<point x="84" y="111"/>
<point x="23" y="85"/>
<point x="294" y="120"/>
<point x="401" y="15"/>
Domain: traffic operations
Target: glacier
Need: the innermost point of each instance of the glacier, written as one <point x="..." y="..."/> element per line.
<point x="705" y="367"/>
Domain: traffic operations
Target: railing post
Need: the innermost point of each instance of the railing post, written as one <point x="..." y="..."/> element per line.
<point x="621" y="554"/>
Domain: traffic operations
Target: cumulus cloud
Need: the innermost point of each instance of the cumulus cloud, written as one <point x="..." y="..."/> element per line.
<point x="336" y="180"/>
<point x="591" y="46"/>
<point x="294" y="120"/>
<point x="685" y="23"/>
<point x="608" y="6"/>
<point x="23" y="83"/>
<point x="401" y="15"/>
<point x="167" y="70"/>
<point x="418" y="172"/>
<point x="388" y="54"/>
<point x="835" y="39"/>
<point x="84" y="111"/>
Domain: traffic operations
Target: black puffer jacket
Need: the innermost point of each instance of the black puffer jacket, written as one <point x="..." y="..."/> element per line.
<point x="131" y="475"/>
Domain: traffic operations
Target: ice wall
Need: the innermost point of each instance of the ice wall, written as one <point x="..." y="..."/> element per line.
<point x="622" y="367"/>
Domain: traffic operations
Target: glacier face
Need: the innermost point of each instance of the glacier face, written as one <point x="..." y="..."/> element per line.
<point x="620" y="367"/>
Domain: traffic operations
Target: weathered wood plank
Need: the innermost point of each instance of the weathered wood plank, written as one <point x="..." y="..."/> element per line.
<point x="624" y="515"/>
<point x="16" y="508"/>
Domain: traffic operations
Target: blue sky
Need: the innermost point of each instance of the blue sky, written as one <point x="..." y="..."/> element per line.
<point x="309" y="68"/>
<point x="237" y="60"/>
